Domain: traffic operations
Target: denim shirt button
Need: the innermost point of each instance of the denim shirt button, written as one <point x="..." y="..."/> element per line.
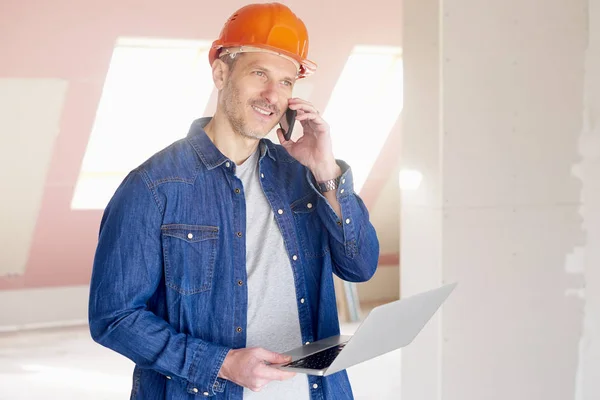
<point x="190" y="235"/>
<point x="280" y="211"/>
<point x="302" y="300"/>
<point x="309" y="205"/>
<point x="227" y="164"/>
<point x="294" y="257"/>
<point x="315" y="386"/>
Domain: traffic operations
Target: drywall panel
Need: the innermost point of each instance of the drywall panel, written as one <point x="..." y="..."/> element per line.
<point x="30" y="112"/>
<point x="510" y="330"/>
<point x="588" y="170"/>
<point x="42" y="308"/>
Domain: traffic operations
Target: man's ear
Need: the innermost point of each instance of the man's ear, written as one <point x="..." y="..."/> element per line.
<point x="220" y="73"/>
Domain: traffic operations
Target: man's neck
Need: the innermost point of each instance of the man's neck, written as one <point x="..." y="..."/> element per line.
<point x="233" y="145"/>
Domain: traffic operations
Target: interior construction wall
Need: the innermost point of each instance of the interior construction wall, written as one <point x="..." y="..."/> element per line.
<point x="501" y="116"/>
<point x="588" y="170"/>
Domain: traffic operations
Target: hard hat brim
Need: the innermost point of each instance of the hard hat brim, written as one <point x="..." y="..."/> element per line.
<point x="305" y="67"/>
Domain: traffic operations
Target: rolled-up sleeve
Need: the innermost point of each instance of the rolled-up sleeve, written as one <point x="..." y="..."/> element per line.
<point x="353" y="241"/>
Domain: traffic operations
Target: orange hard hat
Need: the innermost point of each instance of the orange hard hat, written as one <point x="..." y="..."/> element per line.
<point x="270" y="27"/>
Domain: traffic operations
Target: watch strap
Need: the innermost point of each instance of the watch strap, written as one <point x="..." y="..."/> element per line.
<point x="331" y="184"/>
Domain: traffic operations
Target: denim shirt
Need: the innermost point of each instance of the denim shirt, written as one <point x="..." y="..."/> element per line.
<point x="168" y="284"/>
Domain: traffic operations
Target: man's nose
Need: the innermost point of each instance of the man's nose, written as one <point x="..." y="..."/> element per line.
<point x="270" y="93"/>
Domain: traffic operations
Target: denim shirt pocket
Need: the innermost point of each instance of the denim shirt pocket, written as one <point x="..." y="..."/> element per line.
<point x="189" y="255"/>
<point x="312" y="234"/>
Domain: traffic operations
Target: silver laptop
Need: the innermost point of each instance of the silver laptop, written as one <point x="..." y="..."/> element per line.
<point x="386" y="328"/>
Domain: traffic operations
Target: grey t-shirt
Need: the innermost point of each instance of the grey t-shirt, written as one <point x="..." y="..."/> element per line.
<point x="273" y="321"/>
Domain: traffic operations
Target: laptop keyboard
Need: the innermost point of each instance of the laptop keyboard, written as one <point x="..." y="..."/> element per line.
<point x="320" y="360"/>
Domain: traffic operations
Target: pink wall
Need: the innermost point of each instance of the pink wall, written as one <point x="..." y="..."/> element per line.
<point x="74" y="41"/>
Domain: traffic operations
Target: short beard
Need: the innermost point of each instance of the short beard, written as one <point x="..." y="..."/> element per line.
<point x="232" y="103"/>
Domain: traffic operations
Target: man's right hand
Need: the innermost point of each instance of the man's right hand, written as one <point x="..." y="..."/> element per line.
<point x="247" y="367"/>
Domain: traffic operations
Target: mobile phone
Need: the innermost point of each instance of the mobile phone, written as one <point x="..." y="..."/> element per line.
<point x="287" y="123"/>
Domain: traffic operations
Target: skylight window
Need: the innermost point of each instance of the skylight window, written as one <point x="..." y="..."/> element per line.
<point x="154" y="89"/>
<point x="364" y="106"/>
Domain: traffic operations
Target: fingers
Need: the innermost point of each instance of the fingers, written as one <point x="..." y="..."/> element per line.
<point x="272" y="357"/>
<point x="280" y="136"/>
<point x="296" y="103"/>
<point x="308" y="116"/>
<point x="267" y="375"/>
<point x="260" y="373"/>
<point x="307" y="112"/>
<point x="257" y="385"/>
<point x="274" y="374"/>
<point x="302" y="106"/>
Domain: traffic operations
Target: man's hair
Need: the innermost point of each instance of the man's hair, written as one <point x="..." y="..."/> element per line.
<point x="230" y="61"/>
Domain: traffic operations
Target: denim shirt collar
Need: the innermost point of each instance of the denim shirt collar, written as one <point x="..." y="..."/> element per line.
<point x="210" y="155"/>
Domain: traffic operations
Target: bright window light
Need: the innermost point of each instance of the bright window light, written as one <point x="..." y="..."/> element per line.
<point x="410" y="179"/>
<point x="154" y="89"/>
<point x="364" y="106"/>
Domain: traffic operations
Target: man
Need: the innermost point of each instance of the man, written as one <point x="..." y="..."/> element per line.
<point x="216" y="254"/>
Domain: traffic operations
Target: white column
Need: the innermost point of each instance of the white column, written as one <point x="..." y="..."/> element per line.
<point x="588" y="376"/>
<point x="421" y="211"/>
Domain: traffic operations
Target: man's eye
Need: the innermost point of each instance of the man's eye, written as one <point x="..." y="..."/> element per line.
<point x="287" y="83"/>
<point x="259" y="73"/>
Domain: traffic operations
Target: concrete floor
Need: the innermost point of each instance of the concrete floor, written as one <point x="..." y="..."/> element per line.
<point x="66" y="364"/>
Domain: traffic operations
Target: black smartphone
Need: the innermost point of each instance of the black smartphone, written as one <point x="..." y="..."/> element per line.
<point x="287" y="123"/>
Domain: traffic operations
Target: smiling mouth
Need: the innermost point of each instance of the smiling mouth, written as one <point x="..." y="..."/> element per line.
<point x="262" y="111"/>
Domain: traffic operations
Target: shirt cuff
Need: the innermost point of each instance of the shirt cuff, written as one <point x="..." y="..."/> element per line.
<point x="204" y="370"/>
<point x="342" y="230"/>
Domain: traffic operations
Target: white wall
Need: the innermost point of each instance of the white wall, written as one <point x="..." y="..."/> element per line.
<point x="588" y="372"/>
<point x="43" y="308"/>
<point x="30" y="112"/>
<point x="420" y="215"/>
<point x="494" y="99"/>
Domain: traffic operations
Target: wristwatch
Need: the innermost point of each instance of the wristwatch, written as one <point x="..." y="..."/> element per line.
<point x="331" y="184"/>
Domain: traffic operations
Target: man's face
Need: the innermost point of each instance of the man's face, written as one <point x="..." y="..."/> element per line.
<point x="256" y="93"/>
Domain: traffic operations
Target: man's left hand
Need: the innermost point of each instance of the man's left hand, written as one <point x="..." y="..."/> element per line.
<point x="313" y="149"/>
